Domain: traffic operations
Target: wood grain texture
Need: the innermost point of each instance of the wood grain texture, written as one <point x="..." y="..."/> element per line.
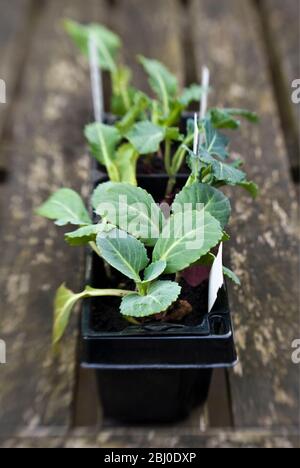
<point x="172" y="439"/>
<point x="265" y="234"/>
<point x="15" y="19"/>
<point x="284" y="19"/>
<point x="47" y="151"/>
<point x="151" y="29"/>
<point x="281" y="33"/>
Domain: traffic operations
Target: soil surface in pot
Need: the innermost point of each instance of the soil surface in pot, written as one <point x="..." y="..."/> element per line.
<point x="190" y="309"/>
<point x="155" y="165"/>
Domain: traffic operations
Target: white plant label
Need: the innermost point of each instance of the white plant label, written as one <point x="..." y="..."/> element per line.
<point x="216" y="279"/>
<point x="96" y="80"/>
<point x="205" y="86"/>
<point x="196" y="135"/>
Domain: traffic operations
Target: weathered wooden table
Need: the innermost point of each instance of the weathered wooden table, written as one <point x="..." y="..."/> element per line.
<point x="252" y="49"/>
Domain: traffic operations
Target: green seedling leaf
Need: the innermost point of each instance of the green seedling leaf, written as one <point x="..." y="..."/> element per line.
<point x="226" y="118"/>
<point x="126" y="162"/>
<point x="141" y="102"/>
<point x="156" y="112"/>
<point x="86" y="234"/>
<point x="162" y="81"/>
<point x="124" y="94"/>
<point x="161" y="295"/>
<point x="121" y="79"/>
<point x="224" y="172"/>
<point x="210" y="165"/>
<point x="215" y="144"/>
<point x="66" y="300"/>
<point x="146" y="137"/>
<point x="131" y="209"/>
<point x="108" y="43"/>
<point x="238" y="163"/>
<point x="226" y="237"/>
<point x="232" y="276"/>
<point x="65" y="207"/>
<point x="191" y="94"/>
<point x="121" y="104"/>
<point x="202" y="195"/>
<point x="195" y="164"/>
<point x="123" y="252"/>
<point x="250" y="187"/>
<point x="103" y="140"/>
<point x="173" y="134"/>
<point x="173" y="117"/>
<point x="99" y="194"/>
<point x="218" y="172"/>
<point x="154" y="270"/>
<point x="186" y="238"/>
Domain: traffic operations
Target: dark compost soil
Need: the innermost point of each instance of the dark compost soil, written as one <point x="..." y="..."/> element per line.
<point x="106" y="316"/>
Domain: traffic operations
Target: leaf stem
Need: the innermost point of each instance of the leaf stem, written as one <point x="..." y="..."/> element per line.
<point x="191" y="180"/>
<point x="170" y="186"/>
<point x="177" y="163"/>
<point x="95" y="248"/>
<point x="125" y="98"/>
<point x="89" y="292"/>
<point x="142" y="288"/>
<point x="168" y="156"/>
<point x="180" y="154"/>
<point x="131" y="320"/>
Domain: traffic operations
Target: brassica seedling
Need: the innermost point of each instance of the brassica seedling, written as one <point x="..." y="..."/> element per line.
<point x="135" y="238"/>
<point x="140" y="118"/>
<point x="211" y="163"/>
<point x="145" y="125"/>
<point x="108" y="45"/>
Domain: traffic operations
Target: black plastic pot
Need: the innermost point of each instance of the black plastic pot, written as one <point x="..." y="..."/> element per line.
<point x="157" y="373"/>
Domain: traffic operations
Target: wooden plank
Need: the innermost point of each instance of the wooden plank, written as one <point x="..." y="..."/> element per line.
<point x="284" y="20"/>
<point x="281" y="33"/>
<point x="264" y="246"/>
<point x="14" y="36"/>
<point x="141" y="438"/>
<point x="151" y="29"/>
<point x="47" y="152"/>
<point x="13" y="22"/>
<point x="219" y="404"/>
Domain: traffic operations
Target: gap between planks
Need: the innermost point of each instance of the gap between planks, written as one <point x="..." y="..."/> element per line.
<point x="282" y="91"/>
<point x="18" y="56"/>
